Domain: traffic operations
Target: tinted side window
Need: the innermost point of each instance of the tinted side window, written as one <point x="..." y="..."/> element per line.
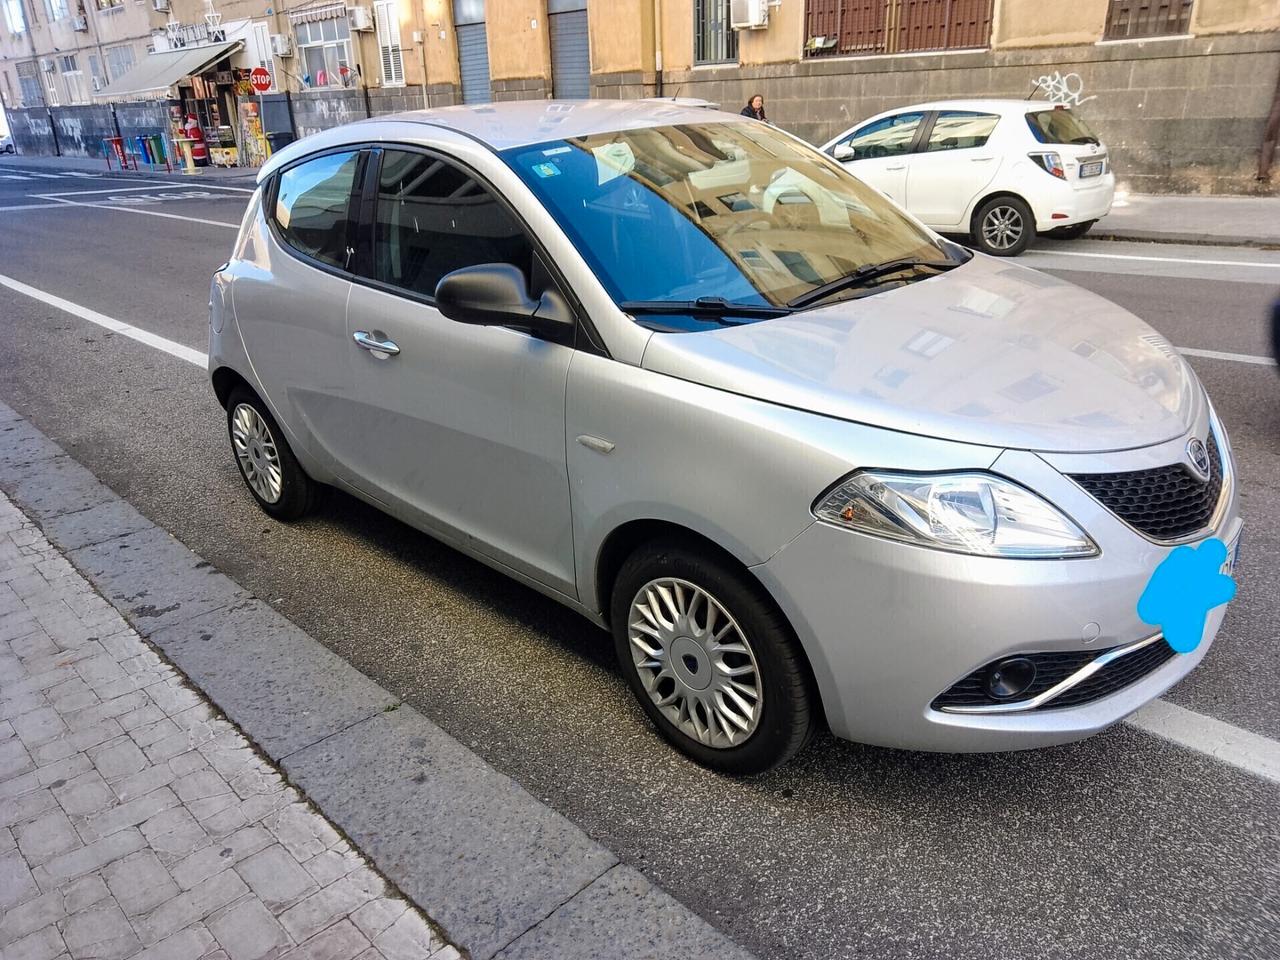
<point x="432" y="218"/>
<point x="960" y="130"/>
<point x="886" y="138"/>
<point x="1059" y="125"/>
<point x="313" y="206"/>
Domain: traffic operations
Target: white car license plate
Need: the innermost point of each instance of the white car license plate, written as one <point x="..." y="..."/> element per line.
<point x="1093" y="169"/>
<point x="1233" y="555"/>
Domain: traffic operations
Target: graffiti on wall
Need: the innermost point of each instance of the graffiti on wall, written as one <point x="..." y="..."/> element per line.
<point x="1063" y="88"/>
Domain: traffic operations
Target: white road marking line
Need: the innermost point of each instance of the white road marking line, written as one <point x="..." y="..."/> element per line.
<point x="1275" y="265"/>
<point x="1242" y="749"/>
<point x="11" y="176"/>
<point x="32" y="206"/>
<point x="148" y="213"/>
<point x="1219" y="355"/>
<point x="1233" y="745"/>
<point x="170" y="347"/>
<point x="79" y="193"/>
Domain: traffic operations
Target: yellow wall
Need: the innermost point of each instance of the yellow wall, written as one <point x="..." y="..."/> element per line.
<point x="1235" y="16"/>
<point x="518" y="44"/>
<point x="1034" y="23"/>
<point x="621" y="34"/>
<point x="441" y="44"/>
<point x="780" y="42"/>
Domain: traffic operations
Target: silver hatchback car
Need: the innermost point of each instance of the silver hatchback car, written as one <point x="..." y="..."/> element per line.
<point x="679" y="371"/>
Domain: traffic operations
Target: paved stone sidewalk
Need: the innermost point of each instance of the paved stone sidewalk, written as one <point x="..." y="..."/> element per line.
<point x="135" y="821"/>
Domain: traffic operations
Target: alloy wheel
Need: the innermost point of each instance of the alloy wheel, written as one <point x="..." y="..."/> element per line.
<point x="695" y="662"/>
<point x="256" y="452"/>
<point x="1002" y="227"/>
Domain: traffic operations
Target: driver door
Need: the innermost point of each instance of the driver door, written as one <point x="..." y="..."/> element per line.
<point x="462" y="427"/>
<point x="877" y="153"/>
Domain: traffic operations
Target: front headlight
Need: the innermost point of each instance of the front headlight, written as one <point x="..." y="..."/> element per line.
<point x="965" y="512"/>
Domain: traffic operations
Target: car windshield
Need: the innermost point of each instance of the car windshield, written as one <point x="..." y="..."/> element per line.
<point x="719" y="213"/>
<point x="1060" y="125"/>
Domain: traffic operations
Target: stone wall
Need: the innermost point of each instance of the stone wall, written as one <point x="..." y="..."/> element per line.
<point x="316" y="110"/>
<point x="525" y="88"/>
<point x="69" y="131"/>
<point x="1178" y="115"/>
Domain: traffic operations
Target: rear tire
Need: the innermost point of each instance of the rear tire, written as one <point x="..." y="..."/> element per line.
<point x="687" y="625"/>
<point x="1073" y="232"/>
<point x="1003" y="227"/>
<point x="267" y="465"/>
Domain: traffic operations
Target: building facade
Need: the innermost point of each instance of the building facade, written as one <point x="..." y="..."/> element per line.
<point x="1181" y="90"/>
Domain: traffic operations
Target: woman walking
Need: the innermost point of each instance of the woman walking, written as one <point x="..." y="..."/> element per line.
<point x="755" y="108"/>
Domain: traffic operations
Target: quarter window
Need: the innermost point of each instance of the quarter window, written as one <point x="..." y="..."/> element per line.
<point x="432" y="218"/>
<point x="886" y="138"/>
<point x="313" y="206"/>
<point x="960" y="130"/>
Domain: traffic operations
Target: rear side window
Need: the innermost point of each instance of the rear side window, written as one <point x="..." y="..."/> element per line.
<point x="1059" y="125"/>
<point x="960" y="130"/>
<point x="313" y="206"/>
<point x="433" y="218"/>
<point x="886" y="138"/>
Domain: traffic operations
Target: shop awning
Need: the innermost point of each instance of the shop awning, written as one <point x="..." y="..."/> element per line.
<point x="315" y="12"/>
<point x="160" y="71"/>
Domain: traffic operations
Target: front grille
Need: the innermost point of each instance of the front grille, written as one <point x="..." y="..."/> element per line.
<point x="1164" y="503"/>
<point x="1052" y="669"/>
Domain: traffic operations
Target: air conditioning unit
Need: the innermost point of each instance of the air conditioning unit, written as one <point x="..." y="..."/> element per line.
<point x="361" y="18"/>
<point x="282" y="45"/>
<point x="80" y="24"/>
<point x="160" y="6"/>
<point x="47" y="64"/>
<point x="749" y="14"/>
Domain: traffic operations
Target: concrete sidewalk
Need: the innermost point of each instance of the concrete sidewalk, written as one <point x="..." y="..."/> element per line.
<point x="136" y="821"/>
<point x="236" y="176"/>
<point x="501" y="874"/>
<point x="1235" y="221"/>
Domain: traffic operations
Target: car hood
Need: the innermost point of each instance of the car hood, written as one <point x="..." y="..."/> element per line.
<point x="987" y="353"/>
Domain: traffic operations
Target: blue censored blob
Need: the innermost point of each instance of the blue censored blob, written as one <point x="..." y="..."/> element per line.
<point x="1182" y="591"/>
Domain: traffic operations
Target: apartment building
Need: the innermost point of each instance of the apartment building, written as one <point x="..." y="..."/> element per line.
<point x="1180" y="89"/>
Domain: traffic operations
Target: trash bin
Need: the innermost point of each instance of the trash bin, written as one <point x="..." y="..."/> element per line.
<point x="279" y="140"/>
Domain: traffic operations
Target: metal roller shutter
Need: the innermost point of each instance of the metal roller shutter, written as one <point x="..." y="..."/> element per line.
<point x="570" y="56"/>
<point x="473" y="61"/>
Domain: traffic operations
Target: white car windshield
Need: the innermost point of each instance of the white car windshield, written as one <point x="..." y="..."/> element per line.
<point x="737" y="212"/>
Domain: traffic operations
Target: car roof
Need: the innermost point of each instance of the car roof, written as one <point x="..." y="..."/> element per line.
<point x="1002" y="107"/>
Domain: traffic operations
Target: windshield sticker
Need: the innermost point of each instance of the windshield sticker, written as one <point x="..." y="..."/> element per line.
<point x="556" y="150"/>
<point x="613" y="160"/>
<point x="545" y="170"/>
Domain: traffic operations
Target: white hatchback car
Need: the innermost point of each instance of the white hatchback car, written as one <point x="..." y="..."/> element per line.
<point x="999" y="170"/>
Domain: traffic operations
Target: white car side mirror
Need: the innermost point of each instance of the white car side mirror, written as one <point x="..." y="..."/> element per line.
<point x="843" y="151"/>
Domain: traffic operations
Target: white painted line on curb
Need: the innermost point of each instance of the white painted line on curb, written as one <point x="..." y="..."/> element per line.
<point x="147" y="213"/>
<point x="1242" y="749"/>
<point x="1219" y="355"/>
<point x="1274" y="265"/>
<point x="170" y="347"/>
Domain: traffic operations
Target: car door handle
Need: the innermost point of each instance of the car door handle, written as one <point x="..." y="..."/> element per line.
<point x="369" y="342"/>
<point x="981" y="159"/>
<point x="901" y="166"/>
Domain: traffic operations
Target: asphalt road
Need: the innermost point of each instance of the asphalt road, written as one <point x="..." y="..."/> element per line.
<point x="1121" y="846"/>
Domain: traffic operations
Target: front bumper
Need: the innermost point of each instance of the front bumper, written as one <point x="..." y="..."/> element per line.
<point x="903" y="623"/>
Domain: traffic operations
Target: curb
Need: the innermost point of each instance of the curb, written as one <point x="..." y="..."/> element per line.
<point x="502" y="874"/>
<point x="1190" y="239"/>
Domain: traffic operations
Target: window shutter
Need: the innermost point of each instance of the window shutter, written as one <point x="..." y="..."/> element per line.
<point x="387" y="23"/>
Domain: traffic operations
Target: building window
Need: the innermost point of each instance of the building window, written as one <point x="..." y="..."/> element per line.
<point x="843" y="27"/>
<point x="56" y="9"/>
<point x="50" y="84"/>
<point x="73" y="77"/>
<point x="325" y="50"/>
<point x="29" y="84"/>
<point x="119" y="60"/>
<point x="98" y="78"/>
<point x="110" y="6"/>
<point x="1147" y="18"/>
<point x="14" y="20"/>
<point x="714" y="41"/>
<point x="387" y="20"/>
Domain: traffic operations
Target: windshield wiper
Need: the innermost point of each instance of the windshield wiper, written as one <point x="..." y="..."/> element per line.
<point x="1093" y="140"/>
<point x="866" y="276"/>
<point x="714" y="307"/>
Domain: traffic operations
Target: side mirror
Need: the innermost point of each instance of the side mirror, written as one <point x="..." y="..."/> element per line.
<point x="496" y="295"/>
<point x="843" y="151"/>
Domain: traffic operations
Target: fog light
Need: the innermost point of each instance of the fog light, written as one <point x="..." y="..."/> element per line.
<point x="1011" y="677"/>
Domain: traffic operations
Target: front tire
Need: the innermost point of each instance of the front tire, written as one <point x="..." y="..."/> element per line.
<point x="1073" y="232"/>
<point x="711" y="659"/>
<point x="267" y="465"/>
<point x="1003" y="227"/>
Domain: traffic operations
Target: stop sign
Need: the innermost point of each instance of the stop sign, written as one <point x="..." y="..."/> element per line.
<point x="260" y="79"/>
